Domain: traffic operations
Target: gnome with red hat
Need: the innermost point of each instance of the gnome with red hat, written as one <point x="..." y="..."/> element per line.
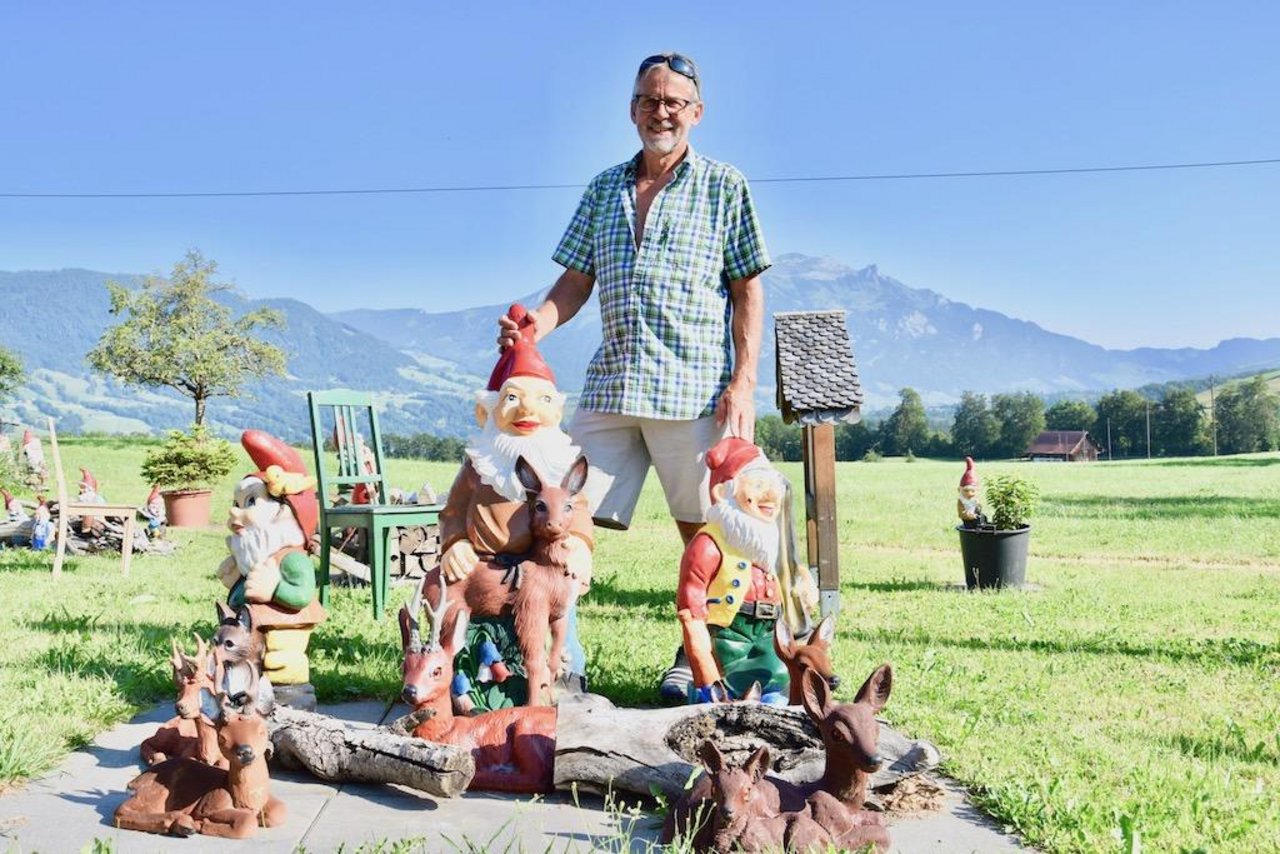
<point x="738" y="577"/>
<point x="968" y="507"/>
<point x="269" y="571"/>
<point x="13" y="507"/>
<point x="33" y="460"/>
<point x="486" y="517"/>
<point x="153" y="512"/>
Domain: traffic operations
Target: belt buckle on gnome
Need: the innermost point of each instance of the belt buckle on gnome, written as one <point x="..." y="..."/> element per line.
<point x="762" y="610"/>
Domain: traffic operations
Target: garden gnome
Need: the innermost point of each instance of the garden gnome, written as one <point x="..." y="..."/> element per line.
<point x="737" y="578"/>
<point x="88" y="494"/>
<point x="269" y="570"/>
<point x="968" y="506"/>
<point x="13" y="507"/>
<point x="33" y="457"/>
<point x="153" y="512"/>
<point x="486" y="517"/>
<point x="42" y="529"/>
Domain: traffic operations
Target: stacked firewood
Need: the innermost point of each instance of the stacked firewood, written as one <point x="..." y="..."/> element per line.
<point x="97" y="537"/>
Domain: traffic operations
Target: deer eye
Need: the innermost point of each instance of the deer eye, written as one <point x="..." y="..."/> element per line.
<point x="253" y="499"/>
<point x="435" y="674"/>
<point x="540" y="506"/>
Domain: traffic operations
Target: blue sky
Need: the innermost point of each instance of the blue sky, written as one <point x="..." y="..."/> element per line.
<point x="140" y="97"/>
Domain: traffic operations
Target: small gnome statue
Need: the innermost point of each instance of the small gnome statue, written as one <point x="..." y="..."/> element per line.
<point x="272" y="520"/>
<point x="42" y="527"/>
<point x="14" y="511"/>
<point x="153" y="512"/>
<point x="738" y="578"/>
<point x="88" y="494"/>
<point x="33" y="460"/>
<point x="968" y="506"/>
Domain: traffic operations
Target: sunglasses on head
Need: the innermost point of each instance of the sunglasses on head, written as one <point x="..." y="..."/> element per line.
<point x="677" y="63"/>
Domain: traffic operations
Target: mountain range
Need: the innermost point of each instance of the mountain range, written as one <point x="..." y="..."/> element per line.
<point x="424" y="366"/>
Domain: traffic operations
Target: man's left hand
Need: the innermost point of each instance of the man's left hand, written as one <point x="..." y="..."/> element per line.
<point x="262" y="581"/>
<point x="736" y="412"/>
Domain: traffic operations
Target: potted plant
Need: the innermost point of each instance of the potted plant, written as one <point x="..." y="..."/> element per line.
<point x="994" y="546"/>
<point x="185" y="467"/>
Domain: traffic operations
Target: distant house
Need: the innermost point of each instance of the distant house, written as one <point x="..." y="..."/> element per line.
<point x="1063" y="446"/>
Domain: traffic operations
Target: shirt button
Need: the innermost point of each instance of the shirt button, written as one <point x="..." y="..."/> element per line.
<point x="742" y="564"/>
<point x="737" y="582"/>
<point x="729" y="598"/>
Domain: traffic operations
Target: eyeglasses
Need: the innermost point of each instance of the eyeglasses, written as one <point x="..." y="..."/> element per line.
<point x="649" y="104"/>
<point x="677" y="63"/>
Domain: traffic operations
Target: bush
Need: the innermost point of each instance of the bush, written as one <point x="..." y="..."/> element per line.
<point x="192" y="460"/>
<point x="1011" y="500"/>
<point x="872" y="455"/>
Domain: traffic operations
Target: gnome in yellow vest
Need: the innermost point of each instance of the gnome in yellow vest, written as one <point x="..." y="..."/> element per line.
<point x="738" y="578"/>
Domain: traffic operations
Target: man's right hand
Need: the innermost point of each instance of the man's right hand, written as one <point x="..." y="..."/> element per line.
<point x="458" y="561"/>
<point x="509" y="332"/>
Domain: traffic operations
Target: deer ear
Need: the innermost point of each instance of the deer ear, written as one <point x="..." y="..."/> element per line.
<point x="758" y="763"/>
<point x="877" y="688"/>
<point x="529" y="478"/>
<point x="408" y="625"/>
<point x="576" y="477"/>
<point x="711" y="756"/>
<point x="459" y="633"/>
<point x="783" y="640"/>
<point x="815" y="694"/>
<point x="225" y="614"/>
<point x="754" y="693"/>
<point x="244" y="618"/>
<point x="825" y="632"/>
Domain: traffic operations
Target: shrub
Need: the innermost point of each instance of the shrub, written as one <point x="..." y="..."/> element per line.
<point x="1011" y="500"/>
<point x="872" y="455"/>
<point x="192" y="460"/>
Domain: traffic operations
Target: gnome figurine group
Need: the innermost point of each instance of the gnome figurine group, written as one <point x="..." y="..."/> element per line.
<point x="269" y="574"/>
<point x="738" y="578"/>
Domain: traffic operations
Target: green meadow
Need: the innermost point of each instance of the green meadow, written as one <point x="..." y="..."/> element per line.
<point x="1131" y="696"/>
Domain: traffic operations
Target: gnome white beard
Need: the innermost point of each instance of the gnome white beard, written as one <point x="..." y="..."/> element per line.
<point x="255" y="543"/>
<point x="754" y="538"/>
<point x="493" y="454"/>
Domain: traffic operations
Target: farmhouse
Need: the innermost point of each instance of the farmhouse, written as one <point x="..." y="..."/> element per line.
<point x="1063" y="446"/>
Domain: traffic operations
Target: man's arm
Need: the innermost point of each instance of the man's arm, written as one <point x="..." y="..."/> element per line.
<point x="570" y="292"/>
<point x="737" y="407"/>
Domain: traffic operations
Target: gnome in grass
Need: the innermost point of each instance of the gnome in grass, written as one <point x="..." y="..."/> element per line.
<point x="13" y="508"/>
<point x="153" y="512"/>
<point x="269" y="571"/>
<point x="968" y="506"/>
<point x="42" y="525"/>
<point x="88" y="494"/>
<point x="739" y="576"/>
<point x="486" y="518"/>
<point x="33" y="460"/>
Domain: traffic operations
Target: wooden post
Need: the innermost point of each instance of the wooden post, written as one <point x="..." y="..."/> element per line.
<point x="820" y="512"/>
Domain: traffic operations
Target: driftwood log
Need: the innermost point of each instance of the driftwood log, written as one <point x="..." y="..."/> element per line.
<point x="331" y="750"/>
<point x="600" y="747"/>
<point x="107" y="535"/>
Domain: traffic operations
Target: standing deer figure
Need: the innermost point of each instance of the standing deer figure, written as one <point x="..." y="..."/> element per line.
<point x="813" y="652"/>
<point x="538" y="592"/>
<point x="513" y="749"/>
<point x="189" y="733"/>
<point x="849" y="733"/>
<point x="185" y="796"/>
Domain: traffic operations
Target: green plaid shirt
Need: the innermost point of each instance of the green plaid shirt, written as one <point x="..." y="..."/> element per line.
<point x="667" y="349"/>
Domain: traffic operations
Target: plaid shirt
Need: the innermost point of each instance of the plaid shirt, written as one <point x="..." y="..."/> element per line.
<point x="667" y="349"/>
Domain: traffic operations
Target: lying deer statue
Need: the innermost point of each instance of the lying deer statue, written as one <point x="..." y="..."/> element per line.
<point x="849" y="733"/>
<point x="538" y="592"/>
<point x="185" y="796"/>
<point x="814" y="652"/>
<point x="189" y="733"/>
<point x="514" y="748"/>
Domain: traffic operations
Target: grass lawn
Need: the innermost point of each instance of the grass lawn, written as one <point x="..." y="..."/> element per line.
<point x="1134" y="693"/>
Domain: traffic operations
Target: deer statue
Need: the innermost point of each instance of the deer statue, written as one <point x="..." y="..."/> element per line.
<point x="813" y="652"/>
<point x="235" y="640"/>
<point x="189" y="733"/>
<point x="835" y="801"/>
<point x="538" y="591"/>
<point x="184" y="796"/>
<point x="513" y="748"/>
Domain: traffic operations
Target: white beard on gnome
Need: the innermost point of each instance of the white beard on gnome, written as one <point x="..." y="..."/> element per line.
<point x="754" y="538"/>
<point x="493" y="453"/>
<point x="264" y="528"/>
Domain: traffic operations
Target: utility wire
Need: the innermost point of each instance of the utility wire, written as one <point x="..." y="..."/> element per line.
<point x="801" y="179"/>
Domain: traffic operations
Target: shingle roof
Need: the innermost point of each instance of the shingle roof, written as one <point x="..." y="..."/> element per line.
<point x="817" y="376"/>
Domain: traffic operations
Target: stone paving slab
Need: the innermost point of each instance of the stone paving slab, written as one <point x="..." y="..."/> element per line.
<point x="75" y="803"/>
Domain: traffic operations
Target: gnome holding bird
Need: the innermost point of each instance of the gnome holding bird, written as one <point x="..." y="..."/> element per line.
<point x="269" y="571"/>
<point x="486" y="517"/>
<point x="738" y="577"/>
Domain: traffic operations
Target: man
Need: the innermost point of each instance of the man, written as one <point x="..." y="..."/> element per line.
<point x="673" y="241"/>
<point x="487" y="517"/>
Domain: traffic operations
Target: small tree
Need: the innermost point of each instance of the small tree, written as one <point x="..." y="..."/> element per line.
<point x="907" y="428"/>
<point x="10" y="372"/>
<point x="974" y="430"/>
<point x="175" y="335"/>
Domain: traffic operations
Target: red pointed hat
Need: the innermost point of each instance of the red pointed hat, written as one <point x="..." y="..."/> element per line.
<point x="87" y="478"/>
<point x="522" y="358"/>
<point x="7" y="496"/>
<point x="970" y="476"/>
<point x="27" y="436"/>
<point x="153" y="494"/>
<point x="730" y="456"/>
<point x="267" y="451"/>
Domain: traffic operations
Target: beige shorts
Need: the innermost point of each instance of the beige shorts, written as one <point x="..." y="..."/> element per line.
<point x="620" y="449"/>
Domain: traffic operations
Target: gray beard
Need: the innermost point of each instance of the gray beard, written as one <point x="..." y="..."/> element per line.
<point x="754" y="538"/>
<point x="493" y="455"/>
<point x="254" y="544"/>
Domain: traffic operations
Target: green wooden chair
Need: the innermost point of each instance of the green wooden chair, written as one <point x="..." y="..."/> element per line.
<point x="348" y="412"/>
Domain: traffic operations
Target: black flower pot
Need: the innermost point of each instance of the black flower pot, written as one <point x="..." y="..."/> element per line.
<point x="994" y="559"/>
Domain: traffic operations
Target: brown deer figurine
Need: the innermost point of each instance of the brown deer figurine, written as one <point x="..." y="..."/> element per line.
<point x="514" y="748"/>
<point x="813" y="652"/>
<point x="189" y="733"/>
<point x="849" y="733"/>
<point x="185" y="796"/>
<point x="538" y="592"/>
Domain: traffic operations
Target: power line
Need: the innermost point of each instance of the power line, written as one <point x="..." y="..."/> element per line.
<point x="798" y="179"/>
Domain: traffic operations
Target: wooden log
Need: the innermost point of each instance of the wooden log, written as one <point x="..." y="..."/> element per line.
<point x="331" y="750"/>
<point x="601" y="748"/>
<point x="346" y="563"/>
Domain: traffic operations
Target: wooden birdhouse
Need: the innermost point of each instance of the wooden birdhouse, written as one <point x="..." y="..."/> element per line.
<point x="818" y="386"/>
